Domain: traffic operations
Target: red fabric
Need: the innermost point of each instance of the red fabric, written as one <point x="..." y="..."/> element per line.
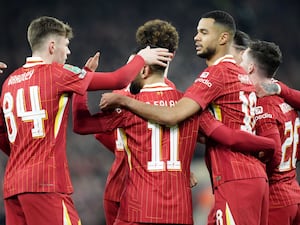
<point x="290" y="95"/>
<point x="230" y="204"/>
<point x="111" y="209"/>
<point x="40" y="208"/>
<point x="33" y="97"/>
<point x="275" y="114"/>
<point x="224" y="88"/>
<point x="119" y="78"/>
<point x="166" y="188"/>
<point x="289" y="215"/>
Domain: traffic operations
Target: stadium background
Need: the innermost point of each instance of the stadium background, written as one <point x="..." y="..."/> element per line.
<point x="109" y="26"/>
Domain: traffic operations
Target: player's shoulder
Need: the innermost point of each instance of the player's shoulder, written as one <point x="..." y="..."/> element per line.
<point x="270" y="100"/>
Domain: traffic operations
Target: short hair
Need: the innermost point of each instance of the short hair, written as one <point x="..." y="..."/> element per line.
<point x="158" y="33"/>
<point x="42" y="27"/>
<point x="267" y="55"/>
<point x="241" y="40"/>
<point x="223" y="18"/>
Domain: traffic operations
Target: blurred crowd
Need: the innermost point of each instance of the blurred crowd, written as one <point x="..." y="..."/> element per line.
<point x="109" y="26"/>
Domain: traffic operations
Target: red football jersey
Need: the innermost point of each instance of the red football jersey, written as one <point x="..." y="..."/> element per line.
<point x="35" y="101"/>
<point x="272" y="112"/>
<point x="227" y="90"/>
<point x="116" y="178"/>
<point x="158" y="185"/>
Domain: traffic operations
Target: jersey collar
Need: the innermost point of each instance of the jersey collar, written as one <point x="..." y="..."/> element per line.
<point x="33" y="61"/>
<point x="225" y="58"/>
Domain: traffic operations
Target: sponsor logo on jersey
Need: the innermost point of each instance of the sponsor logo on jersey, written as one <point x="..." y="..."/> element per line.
<point x="259" y="112"/>
<point x="204" y="81"/>
<point x="74" y="69"/>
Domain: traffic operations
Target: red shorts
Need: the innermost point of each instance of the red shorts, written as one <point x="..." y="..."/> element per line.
<point x="289" y="215"/>
<point x="242" y="202"/>
<point x="120" y="222"/>
<point x="111" y="209"/>
<point x="40" y="209"/>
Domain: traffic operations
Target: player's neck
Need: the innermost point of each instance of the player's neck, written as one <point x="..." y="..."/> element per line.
<point x="155" y="78"/>
<point x="218" y="54"/>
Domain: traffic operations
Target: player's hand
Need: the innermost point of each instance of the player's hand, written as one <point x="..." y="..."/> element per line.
<point x="92" y="63"/>
<point x="2" y="66"/>
<point x="267" y="88"/>
<point x="193" y="180"/>
<point x="156" y="56"/>
<point x="110" y="101"/>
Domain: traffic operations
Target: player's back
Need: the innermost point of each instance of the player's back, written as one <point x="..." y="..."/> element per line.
<point x="35" y="102"/>
<point x="159" y="157"/>
<point x="284" y="187"/>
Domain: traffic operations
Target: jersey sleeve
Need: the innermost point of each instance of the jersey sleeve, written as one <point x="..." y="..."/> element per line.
<point x="107" y="139"/>
<point x="207" y="87"/>
<point x="291" y="96"/>
<point x="86" y="123"/>
<point x="235" y="139"/>
<point x="117" y="79"/>
<point x="70" y="78"/>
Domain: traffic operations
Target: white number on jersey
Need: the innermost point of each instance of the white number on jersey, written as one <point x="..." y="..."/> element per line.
<point x="36" y="115"/>
<point x="248" y="108"/>
<point x="156" y="164"/>
<point x="289" y="162"/>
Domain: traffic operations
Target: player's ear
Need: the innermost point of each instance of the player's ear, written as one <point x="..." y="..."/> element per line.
<point x="51" y="47"/>
<point x="146" y="71"/>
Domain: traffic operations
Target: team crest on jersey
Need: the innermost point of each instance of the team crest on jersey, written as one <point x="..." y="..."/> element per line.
<point x="204" y="74"/>
<point x="74" y="69"/>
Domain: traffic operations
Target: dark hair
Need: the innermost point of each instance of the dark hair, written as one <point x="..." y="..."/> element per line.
<point x="44" y="26"/>
<point x="241" y="40"/>
<point x="267" y="55"/>
<point x="158" y="33"/>
<point x="223" y="18"/>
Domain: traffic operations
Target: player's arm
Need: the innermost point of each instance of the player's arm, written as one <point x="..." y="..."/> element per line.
<point x="291" y="96"/>
<point x="270" y="130"/>
<point x="185" y="108"/>
<point x="123" y="76"/>
<point x="238" y="140"/>
<point x="86" y="123"/>
<point x="107" y="139"/>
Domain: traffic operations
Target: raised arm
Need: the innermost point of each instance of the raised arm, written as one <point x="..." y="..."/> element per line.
<point x="123" y="76"/>
<point x="185" y="108"/>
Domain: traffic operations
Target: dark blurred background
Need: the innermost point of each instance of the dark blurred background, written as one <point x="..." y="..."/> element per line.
<point x="109" y="26"/>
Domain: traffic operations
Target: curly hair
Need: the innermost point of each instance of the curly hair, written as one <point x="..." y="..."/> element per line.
<point x="158" y="33"/>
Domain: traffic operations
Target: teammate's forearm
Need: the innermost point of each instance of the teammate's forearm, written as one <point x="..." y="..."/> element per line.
<point x="291" y="96"/>
<point x="117" y="79"/>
